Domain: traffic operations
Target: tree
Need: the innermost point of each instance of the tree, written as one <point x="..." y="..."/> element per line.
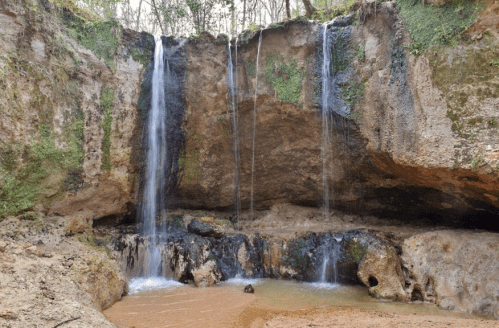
<point x="309" y="9"/>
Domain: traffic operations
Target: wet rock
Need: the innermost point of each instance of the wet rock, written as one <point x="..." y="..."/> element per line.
<point x="457" y="270"/>
<point x="249" y="289"/>
<point x="206" y="227"/>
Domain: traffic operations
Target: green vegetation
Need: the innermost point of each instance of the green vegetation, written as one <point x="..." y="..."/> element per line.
<point x="295" y="256"/>
<point x="251" y="68"/>
<point x="253" y="27"/>
<point x="476" y="163"/>
<point x="464" y="80"/>
<point x="286" y="80"/>
<point x="177" y="220"/>
<point x="102" y="37"/>
<point x="35" y="173"/>
<point x="355" y="251"/>
<point x="361" y="53"/>
<point x="353" y="92"/>
<point x="492" y="122"/>
<point x="143" y="53"/>
<point x="106" y="102"/>
<point x="432" y="25"/>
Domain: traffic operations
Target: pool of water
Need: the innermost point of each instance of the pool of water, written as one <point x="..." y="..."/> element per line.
<point x="164" y="303"/>
<point x="293" y="295"/>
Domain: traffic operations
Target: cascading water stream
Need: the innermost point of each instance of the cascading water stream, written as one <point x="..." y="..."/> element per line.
<point x="254" y="129"/>
<point x="233" y="93"/>
<point x="326" y="72"/>
<point x="156" y="157"/>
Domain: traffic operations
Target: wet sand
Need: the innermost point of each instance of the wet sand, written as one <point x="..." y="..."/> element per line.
<point x="278" y="304"/>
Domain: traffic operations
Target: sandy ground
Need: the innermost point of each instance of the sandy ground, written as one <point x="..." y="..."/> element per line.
<point x="230" y="308"/>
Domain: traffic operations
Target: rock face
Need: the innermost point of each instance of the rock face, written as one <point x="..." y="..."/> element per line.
<point x="398" y="151"/>
<point x="47" y="277"/>
<point x="456" y="270"/>
<point x="70" y="117"/>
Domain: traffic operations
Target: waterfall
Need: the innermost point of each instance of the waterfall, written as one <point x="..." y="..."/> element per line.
<point x="254" y="128"/>
<point x="331" y="253"/>
<point x="155" y="160"/>
<point x="326" y="72"/>
<point x="233" y="93"/>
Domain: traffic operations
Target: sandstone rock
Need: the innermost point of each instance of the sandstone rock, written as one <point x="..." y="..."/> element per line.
<point x="80" y="222"/>
<point x="380" y="269"/>
<point x="207" y="275"/>
<point x="457" y="270"/>
<point x="3" y="246"/>
<point x="206" y="227"/>
<point x="33" y="250"/>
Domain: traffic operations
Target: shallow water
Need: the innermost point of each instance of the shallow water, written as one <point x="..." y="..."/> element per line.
<point x="166" y="303"/>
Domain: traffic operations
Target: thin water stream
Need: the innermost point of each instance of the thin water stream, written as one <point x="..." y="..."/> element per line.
<point x="254" y="130"/>
<point x="326" y="72"/>
<point x="232" y="82"/>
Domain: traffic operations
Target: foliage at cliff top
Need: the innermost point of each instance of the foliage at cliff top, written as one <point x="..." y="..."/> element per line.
<point x="432" y="25"/>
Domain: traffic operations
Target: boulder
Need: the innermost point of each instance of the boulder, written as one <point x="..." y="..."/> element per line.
<point x="380" y="268"/>
<point x="249" y="289"/>
<point x="206" y="227"/>
<point x="457" y="270"/>
<point x="206" y="275"/>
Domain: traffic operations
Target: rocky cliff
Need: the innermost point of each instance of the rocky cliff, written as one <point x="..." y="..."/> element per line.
<point x="71" y="126"/>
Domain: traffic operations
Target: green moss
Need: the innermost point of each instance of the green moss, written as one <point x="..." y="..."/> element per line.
<point x="453" y="116"/>
<point x="177" y="220"/>
<point x="477" y="162"/>
<point x="492" y="122"/>
<point x="361" y="53"/>
<point x="102" y="37"/>
<point x="34" y="173"/>
<point x="251" y="68"/>
<point x="353" y="92"/>
<point x="295" y="256"/>
<point x="106" y="102"/>
<point x="143" y="53"/>
<point x="429" y="24"/>
<point x="474" y="121"/>
<point x="466" y="76"/>
<point x="285" y="79"/>
<point x="355" y="251"/>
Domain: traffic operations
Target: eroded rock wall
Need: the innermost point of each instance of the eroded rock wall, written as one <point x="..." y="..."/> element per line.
<point x="70" y="136"/>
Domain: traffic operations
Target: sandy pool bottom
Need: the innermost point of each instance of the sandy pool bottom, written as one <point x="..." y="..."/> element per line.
<point x="277" y="303"/>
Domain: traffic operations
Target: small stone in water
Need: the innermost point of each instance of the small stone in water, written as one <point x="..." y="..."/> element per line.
<point x="249" y="289"/>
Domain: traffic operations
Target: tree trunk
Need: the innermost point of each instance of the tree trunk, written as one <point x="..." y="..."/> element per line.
<point x="138" y="15"/>
<point x="244" y="14"/>
<point x="288" y="10"/>
<point x="158" y="17"/>
<point x="309" y="9"/>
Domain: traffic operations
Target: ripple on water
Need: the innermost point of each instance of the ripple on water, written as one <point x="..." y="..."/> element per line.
<point x="242" y="281"/>
<point x="151" y="283"/>
<point x="324" y="285"/>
